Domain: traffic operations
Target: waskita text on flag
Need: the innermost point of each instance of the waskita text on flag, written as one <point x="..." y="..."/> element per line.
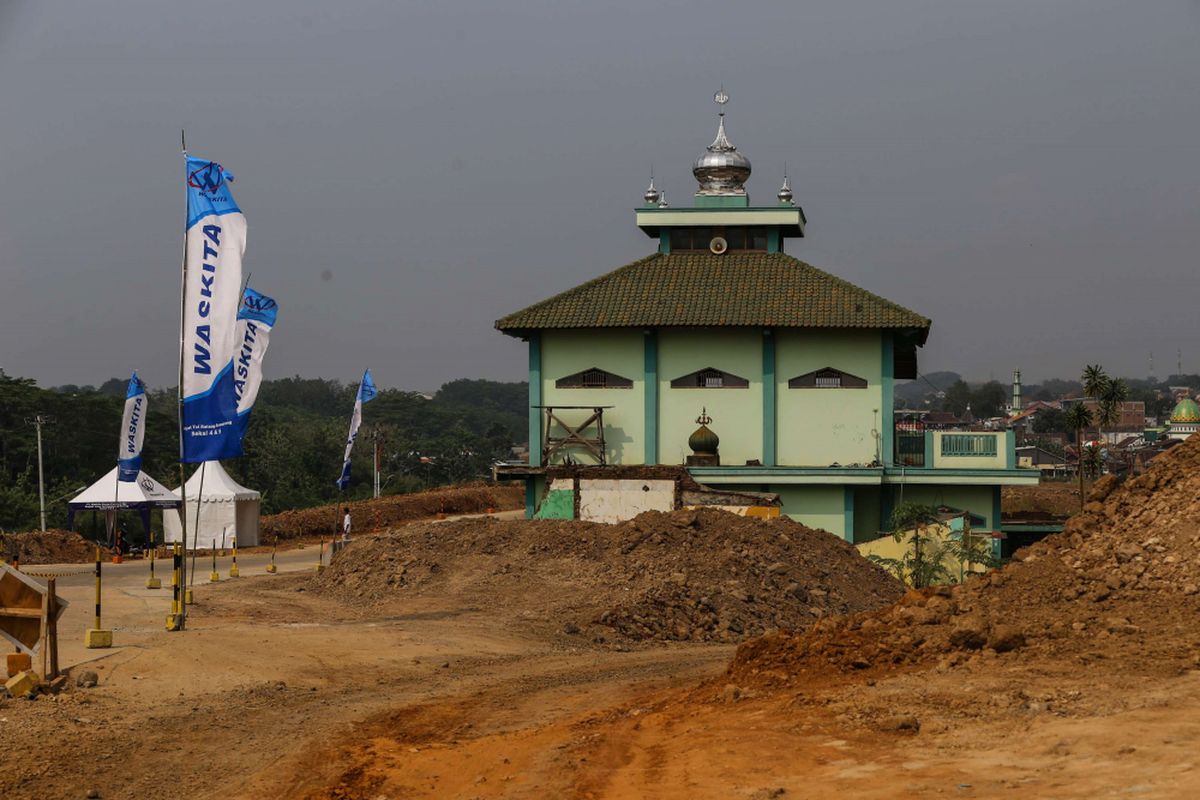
<point x="133" y="431"/>
<point x="215" y="244"/>
<point x="255" y="319"/>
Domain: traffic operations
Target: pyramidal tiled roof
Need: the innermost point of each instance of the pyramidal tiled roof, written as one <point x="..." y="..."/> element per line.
<point x="702" y="290"/>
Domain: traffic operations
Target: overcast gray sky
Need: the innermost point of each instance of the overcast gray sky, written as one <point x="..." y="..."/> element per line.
<point x="1025" y="173"/>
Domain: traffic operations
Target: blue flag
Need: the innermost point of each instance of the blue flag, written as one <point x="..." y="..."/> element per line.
<point x="215" y="243"/>
<point x="133" y="431"/>
<point x="366" y="393"/>
<point x="255" y="319"/>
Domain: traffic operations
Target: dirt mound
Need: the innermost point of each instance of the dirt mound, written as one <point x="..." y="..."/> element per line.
<point x="1120" y="581"/>
<point x="703" y="575"/>
<point x="51" y="547"/>
<point x="390" y="510"/>
<point x="1053" y="499"/>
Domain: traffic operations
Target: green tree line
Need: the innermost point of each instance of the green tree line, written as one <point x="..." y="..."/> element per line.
<point x="293" y="447"/>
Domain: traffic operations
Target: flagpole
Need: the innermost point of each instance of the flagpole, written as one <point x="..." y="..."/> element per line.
<point x="196" y="529"/>
<point x="182" y="308"/>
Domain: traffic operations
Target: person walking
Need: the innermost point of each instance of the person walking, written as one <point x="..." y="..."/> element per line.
<point x="346" y="526"/>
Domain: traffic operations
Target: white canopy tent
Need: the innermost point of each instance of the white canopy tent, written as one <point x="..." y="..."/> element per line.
<point x="226" y="506"/>
<point x="110" y="495"/>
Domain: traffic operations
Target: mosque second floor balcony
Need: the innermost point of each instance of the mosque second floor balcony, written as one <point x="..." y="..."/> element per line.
<point x="955" y="449"/>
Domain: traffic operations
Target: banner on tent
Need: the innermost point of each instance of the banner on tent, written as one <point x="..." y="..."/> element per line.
<point x="215" y="244"/>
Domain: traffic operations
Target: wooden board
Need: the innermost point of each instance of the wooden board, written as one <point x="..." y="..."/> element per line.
<point x="21" y="599"/>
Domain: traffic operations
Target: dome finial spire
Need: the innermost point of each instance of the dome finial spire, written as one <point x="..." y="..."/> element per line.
<point x="652" y="194"/>
<point x="785" y="191"/>
<point x="722" y="170"/>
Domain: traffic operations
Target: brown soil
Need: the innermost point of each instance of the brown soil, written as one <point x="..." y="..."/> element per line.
<point x="704" y="575"/>
<point x="1123" y="573"/>
<point x="1073" y="673"/>
<point x="1049" y="499"/>
<point x="391" y="510"/>
<point x="51" y="547"/>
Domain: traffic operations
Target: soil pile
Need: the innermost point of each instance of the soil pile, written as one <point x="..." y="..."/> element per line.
<point x="700" y="575"/>
<point x="384" y="512"/>
<point x="1120" y="582"/>
<point x="51" y="547"/>
<point x="1055" y="499"/>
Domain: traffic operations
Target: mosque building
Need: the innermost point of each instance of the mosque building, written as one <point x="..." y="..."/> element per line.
<point x="788" y="369"/>
<point x="1185" y="419"/>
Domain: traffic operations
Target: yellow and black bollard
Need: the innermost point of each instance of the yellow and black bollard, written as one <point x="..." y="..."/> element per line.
<point x="175" y="618"/>
<point x="97" y="637"/>
<point x="153" y="582"/>
<point x="321" y="554"/>
<point x="233" y="569"/>
<point x="214" y="576"/>
<point x="271" y="567"/>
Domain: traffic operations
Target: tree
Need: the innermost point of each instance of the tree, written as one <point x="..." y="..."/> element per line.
<point x="1110" y="395"/>
<point x="958" y="397"/>
<point x="1095" y="381"/>
<point x="1050" y="420"/>
<point x="924" y="564"/>
<point x="1112" y="400"/>
<point x="988" y="400"/>
<point x="1079" y="418"/>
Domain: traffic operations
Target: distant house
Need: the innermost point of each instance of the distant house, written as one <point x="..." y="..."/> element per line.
<point x="1050" y="464"/>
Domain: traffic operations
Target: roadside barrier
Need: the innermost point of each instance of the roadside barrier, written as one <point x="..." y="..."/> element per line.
<point x="97" y="636"/>
<point x="175" y="618"/>
<point x="47" y="575"/>
<point x="274" y="546"/>
<point x="233" y="568"/>
<point x="321" y="555"/>
<point x="152" y="582"/>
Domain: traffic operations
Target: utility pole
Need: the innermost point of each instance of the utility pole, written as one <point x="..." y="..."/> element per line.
<point x="38" y="421"/>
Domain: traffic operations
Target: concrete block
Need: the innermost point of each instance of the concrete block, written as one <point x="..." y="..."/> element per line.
<point x="22" y="683"/>
<point x="272" y="568"/>
<point x="234" y="572"/>
<point x="95" y="638"/>
<point x="18" y="662"/>
<point x="153" y="583"/>
<point x="175" y="622"/>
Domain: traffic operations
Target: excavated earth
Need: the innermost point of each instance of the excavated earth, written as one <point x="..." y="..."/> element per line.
<point x="692" y="575"/>
<point x="389" y="510"/>
<point x="1074" y="672"/>
<point x="1121" y="580"/>
<point x="49" y="547"/>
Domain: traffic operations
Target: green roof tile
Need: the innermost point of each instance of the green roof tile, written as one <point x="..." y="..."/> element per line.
<point x="702" y="290"/>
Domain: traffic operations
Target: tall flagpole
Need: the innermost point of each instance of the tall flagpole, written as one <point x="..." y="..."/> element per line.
<point x="182" y="476"/>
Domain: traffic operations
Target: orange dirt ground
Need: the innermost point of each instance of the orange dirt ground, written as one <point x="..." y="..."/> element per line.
<point x="1072" y="673"/>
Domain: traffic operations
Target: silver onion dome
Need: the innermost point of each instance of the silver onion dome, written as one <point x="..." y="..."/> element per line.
<point x="651" y="195"/>
<point x="722" y="170"/>
<point x="785" y="192"/>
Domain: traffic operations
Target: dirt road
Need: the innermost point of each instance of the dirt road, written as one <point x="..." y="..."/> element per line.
<point x="278" y="691"/>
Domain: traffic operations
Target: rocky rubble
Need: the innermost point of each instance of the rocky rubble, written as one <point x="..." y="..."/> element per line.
<point x="703" y="575"/>
<point x="1121" y="580"/>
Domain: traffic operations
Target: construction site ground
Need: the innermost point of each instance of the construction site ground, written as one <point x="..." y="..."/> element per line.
<point x="279" y="689"/>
